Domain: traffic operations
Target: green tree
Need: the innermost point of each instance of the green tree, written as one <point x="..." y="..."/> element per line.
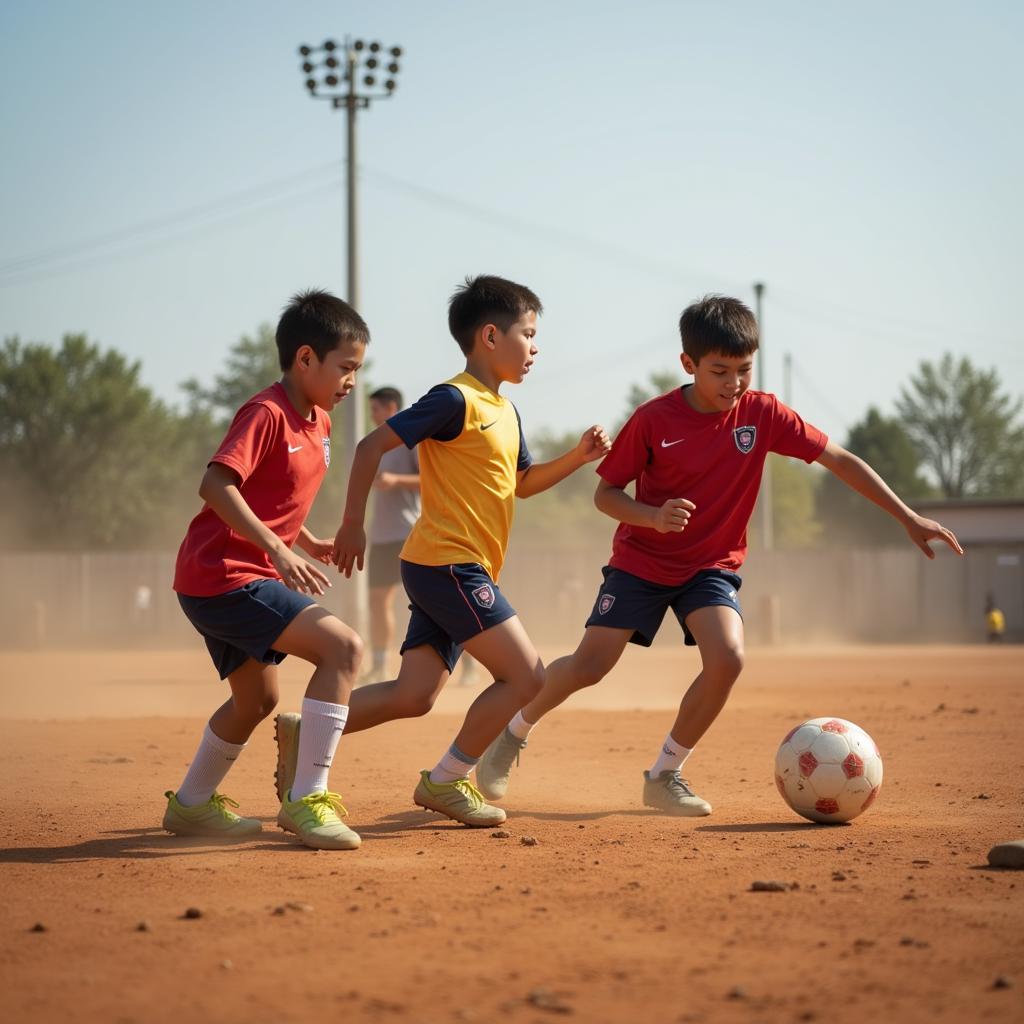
<point x="656" y="384"/>
<point x="795" y="523"/>
<point x="966" y="430"/>
<point x="91" y="459"/>
<point x="887" y="447"/>
<point x="252" y="365"/>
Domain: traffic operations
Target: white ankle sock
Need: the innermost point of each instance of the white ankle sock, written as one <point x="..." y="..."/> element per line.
<point x="322" y="726"/>
<point x="212" y="762"/>
<point x="454" y="765"/>
<point x="672" y="757"/>
<point x="520" y="727"/>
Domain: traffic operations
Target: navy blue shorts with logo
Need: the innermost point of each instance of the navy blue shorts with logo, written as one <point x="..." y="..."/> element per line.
<point x="244" y="623"/>
<point x="450" y="605"/>
<point x="626" y="601"/>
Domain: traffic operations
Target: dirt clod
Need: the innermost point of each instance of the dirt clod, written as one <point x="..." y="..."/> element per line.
<point x="769" y="886"/>
<point x="529" y="841"/>
<point x="501" y="834"/>
<point x="192" y="914"/>
<point x="1007" y="855"/>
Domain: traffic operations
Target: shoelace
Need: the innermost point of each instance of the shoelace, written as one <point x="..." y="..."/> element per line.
<point x="219" y="800"/>
<point x="467" y="789"/>
<point x="677" y="782"/>
<point x="324" y="804"/>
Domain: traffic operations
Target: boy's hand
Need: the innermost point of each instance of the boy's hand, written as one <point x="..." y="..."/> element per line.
<point x="385" y="481"/>
<point x="673" y="516"/>
<point x="297" y="574"/>
<point x="594" y="444"/>
<point x="922" y="530"/>
<point x="349" y="546"/>
<point x="321" y="550"/>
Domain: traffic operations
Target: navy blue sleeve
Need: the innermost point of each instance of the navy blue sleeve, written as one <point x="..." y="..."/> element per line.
<point x="525" y="460"/>
<point x="440" y="415"/>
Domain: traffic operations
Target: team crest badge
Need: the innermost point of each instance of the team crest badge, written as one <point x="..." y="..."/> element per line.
<point x="327" y="451"/>
<point x="745" y="438"/>
<point x="484" y="596"/>
<point x="604" y="603"/>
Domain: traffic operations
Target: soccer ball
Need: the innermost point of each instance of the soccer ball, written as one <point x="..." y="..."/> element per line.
<point x="828" y="770"/>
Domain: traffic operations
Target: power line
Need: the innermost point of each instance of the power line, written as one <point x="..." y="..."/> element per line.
<point x="202" y="216"/>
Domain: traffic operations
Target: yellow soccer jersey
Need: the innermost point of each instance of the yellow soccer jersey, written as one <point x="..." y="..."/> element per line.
<point x="471" y="447"/>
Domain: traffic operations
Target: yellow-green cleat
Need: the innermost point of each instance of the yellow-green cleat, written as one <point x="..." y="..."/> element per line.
<point x="212" y="820"/>
<point x="316" y="820"/>
<point x="459" y="800"/>
<point x="286" y="734"/>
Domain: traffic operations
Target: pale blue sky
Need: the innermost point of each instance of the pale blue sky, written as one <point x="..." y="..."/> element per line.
<point x="865" y="161"/>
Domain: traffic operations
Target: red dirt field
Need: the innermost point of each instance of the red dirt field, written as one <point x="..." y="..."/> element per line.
<point x="616" y="914"/>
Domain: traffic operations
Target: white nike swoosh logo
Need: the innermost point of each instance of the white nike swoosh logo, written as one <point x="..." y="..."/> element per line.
<point x="291" y="450"/>
<point x="668" y="444"/>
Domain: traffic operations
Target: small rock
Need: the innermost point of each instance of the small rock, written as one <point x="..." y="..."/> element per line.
<point x="545" y="999"/>
<point x="305" y="907"/>
<point x="1007" y="855"/>
<point x="529" y="841"/>
<point x="38" y="927"/>
<point x="192" y="913"/>
<point x="501" y="834"/>
<point x="838" y="876"/>
<point x="983" y="796"/>
<point x="143" y="926"/>
<point x="226" y="965"/>
<point x="1002" y="982"/>
<point x="768" y="886"/>
<point x="278" y="912"/>
<point x="736" y="992"/>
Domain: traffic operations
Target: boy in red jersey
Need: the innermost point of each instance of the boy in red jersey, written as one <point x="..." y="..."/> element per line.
<point x="697" y="455"/>
<point x="249" y="595"/>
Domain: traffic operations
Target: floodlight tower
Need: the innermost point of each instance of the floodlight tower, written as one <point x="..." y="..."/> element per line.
<point x="351" y="76"/>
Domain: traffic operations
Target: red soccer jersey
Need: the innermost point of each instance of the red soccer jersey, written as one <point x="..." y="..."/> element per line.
<point x="281" y="459"/>
<point x="713" y="459"/>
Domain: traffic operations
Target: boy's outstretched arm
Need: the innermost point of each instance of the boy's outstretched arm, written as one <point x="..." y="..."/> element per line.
<point x="857" y="474"/>
<point x="219" y="490"/>
<point x="350" y="542"/>
<point x="321" y="550"/>
<point x="670" y="517"/>
<point x="594" y="444"/>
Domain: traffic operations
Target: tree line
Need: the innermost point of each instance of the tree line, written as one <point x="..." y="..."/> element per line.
<point x="91" y="459"/>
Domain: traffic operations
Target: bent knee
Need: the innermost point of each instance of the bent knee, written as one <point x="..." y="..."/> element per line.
<point x="256" y="709"/>
<point x="726" y="664"/>
<point x="415" y="705"/>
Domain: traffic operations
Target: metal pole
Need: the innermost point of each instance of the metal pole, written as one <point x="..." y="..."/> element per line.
<point x="765" y="497"/>
<point x="357" y="606"/>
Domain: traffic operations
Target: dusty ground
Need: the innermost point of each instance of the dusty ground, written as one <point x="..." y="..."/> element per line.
<point x="615" y="915"/>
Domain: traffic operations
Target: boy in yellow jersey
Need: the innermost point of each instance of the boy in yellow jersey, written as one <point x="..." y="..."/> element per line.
<point x="473" y="464"/>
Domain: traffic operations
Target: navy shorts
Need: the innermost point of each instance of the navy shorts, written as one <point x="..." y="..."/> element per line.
<point x="626" y="601"/>
<point x="450" y="605"/>
<point x="244" y="623"/>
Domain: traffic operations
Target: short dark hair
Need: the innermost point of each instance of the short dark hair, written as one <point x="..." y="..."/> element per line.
<point x="388" y="394"/>
<point x="718" y="324"/>
<point x="320" y="320"/>
<point x="487" y="299"/>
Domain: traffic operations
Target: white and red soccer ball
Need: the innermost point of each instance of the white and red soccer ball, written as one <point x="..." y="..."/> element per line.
<point x="828" y="770"/>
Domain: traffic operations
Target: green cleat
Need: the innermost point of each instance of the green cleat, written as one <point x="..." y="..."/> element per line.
<point x="495" y="766"/>
<point x="286" y="735"/>
<point x="314" y="819"/>
<point x="671" y="793"/>
<point x="212" y="819"/>
<point x="459" y="800"/>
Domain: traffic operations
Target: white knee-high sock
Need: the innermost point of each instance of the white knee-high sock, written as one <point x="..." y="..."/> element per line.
<point x="672" y="757"/>
<point x="212" y="762"/>
<point x="322" y="726"/>
<point x="454" y="765"/>
<point x="520" y="727"/>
